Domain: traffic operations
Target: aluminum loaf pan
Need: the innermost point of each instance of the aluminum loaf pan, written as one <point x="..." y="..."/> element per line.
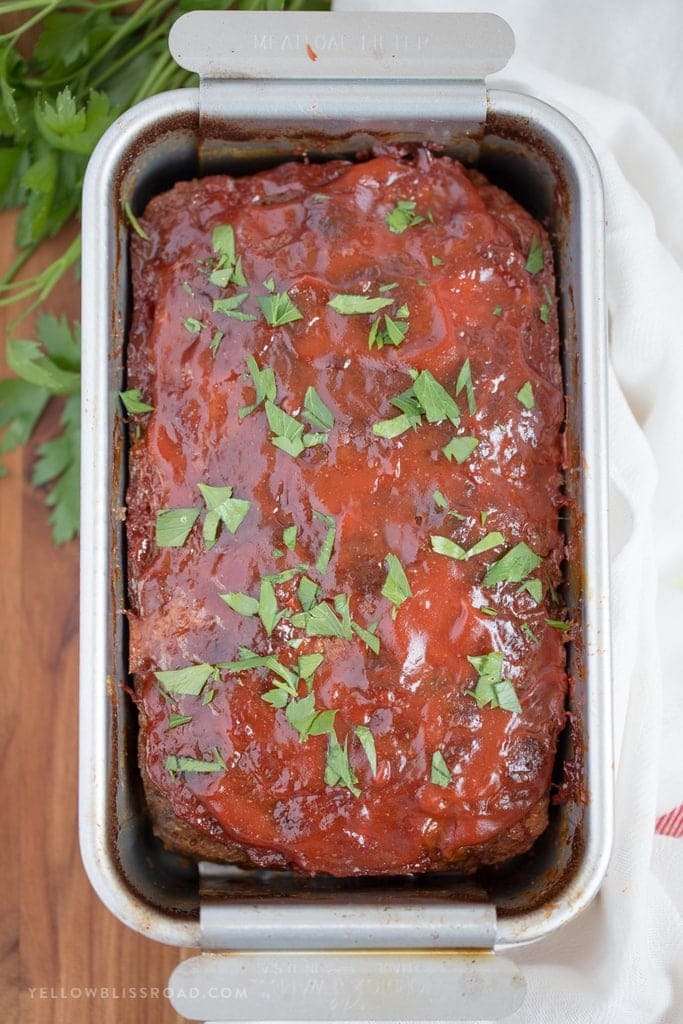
<point x="238" y="126"/>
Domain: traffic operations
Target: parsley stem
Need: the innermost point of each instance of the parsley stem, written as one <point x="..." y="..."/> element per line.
<point x="18" y="32"/>
<point x="111" y="69"/>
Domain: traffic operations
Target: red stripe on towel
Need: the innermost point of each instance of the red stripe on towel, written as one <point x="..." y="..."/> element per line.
<point x="671" y="824"/>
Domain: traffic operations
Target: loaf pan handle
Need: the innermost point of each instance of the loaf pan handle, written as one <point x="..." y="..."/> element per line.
<point x="340" y="45"/>
<point x="384" y="986"/>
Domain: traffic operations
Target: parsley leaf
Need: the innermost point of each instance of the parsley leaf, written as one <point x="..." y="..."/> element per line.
<point x="439" y="500"/>
<point x="350" y="304"/>
<point x="460" y="448"/>
<point x="316" y="411"/>
<point x="321" y="621"/>
<point x="515" y="565"/>
<point x="288" y="432"/>
<point x="289" y="537"/>
<point x="279" y="309"/>
<point x="191" y="324"/>
<point x="403" y="216"/>
<point x="559" y="624"/>
<point x="491" y="688"/>
<point x="230" y="307"/>
<point x="192" y="764"/>
<point x="174" y="720"/>
<point x="221" y="507"/>
<point x="338" y="770"/>
<point x="189" y="680"/>
<point x="465" y="381"/>
<point x="393" y="334"/>
<point x="241" y="603"/>
<point x="264" y="386"/>
<point x="132" y="401"/>
<point x="307" y="593"/>
<point x="525" y="395"/>
<point x="534" y="261"/>
<point x="135" y="223"/>
<point x="445" y="546"/>
<point x="173" y="526"/>
<point x="303" y="717"/>
<point x="396" y="587"/>
<point x="325" y="553"/>
<point x="367" y="742"/>
<point x="440" y="773"/>
<point x="367" y="636"/>
<point x="435" y="400"/>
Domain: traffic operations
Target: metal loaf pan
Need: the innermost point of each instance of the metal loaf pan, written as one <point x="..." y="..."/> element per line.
<point x="324" y="86"/>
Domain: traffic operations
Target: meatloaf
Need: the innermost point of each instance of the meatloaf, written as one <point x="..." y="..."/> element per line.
<point x="345" y="472"/>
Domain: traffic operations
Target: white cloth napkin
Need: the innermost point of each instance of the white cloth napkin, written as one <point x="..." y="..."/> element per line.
<point x="621" y="961"/>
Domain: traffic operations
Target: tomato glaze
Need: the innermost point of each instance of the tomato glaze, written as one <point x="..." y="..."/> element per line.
<point x="315" y="232"/>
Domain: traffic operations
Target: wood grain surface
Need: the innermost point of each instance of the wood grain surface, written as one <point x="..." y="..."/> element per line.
<point x="56" y="938"/>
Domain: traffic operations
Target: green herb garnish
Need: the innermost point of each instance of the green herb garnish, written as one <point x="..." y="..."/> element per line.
<point x="221" y="507"/>
<point x="491" y="688"/>
<point x="191" y="324"/>
<point x="465" y="381"/>
<point x="135" y="223"/>
<point x="515" y="565"/>
<point x="289" y="537"/>
<point x="132" y="401"/>
<point x="396" y="587"/>
<point x="173" y="526"/>
<point x="316" y="411"/>
<point x="302" y="716"/>
<point x="348" y="305"/>
<point x="440" y="773"/>
<point x="403" y="216"/>
<point x="525" y="395"/>
<point x="279" y="309"/>
<point x="325" y="553"/>
<point x="215" y="342"/>
<point x="439" y="500"/>
<point x="176" y="763"/>
<point x="230" y="307"/>
<point x="264" y="386"/>
<point x="338" y="771"/>
<point x="534" y="261"/>
<point x="558" y="624"/>
<point x="241" y="603"/>
<point x="174" y="720"/>
<point x="367" y="742"/>
<point x="189" y="680"/>
<point x="460" y="448"/>
<point x="436" y="403"/>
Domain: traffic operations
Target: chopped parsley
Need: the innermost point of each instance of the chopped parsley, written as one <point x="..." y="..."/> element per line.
<point x="515" y="565"/>
<point x="558" y="624"/>
<point x="173" y="526"/>
<point x="393" y="333"/>
<point x="176" y="763"/>
<point x="436" y="261"/>
<point x="230" y="307"/>
<point x="338" y="771"/>
<point x="325" y="553"/>
<point x="497" y="310"/>
<point x="348" y="305"/>
<point x="288" y="432"/>
<point x="264" y="386"/>
<point x="241" y="603"/>
<point x="525" y="395"/>
<point x="215" y="342"/>
<point x="544" y="312"/>
<point x="191" y="324"/>
<point x="440" y="774"/>
<point x="464" y="381"/>
<point x="289" y="537"/>
<point x="436" y="403"/>
<point x="135" y="223"/>
<point x="279" y="309"/>
<point x="460" y="448"/>
<point x="228" y="266"/>
<point x="174" y="720"/>
<point x="221" y="507"/>
<point x="403" y="216"/>
<point x="445" y="546"/>
<point x="367" y="635"/>
<point x="303" y="717"/>
<point x="491" y="688"/>
<point x="534" y="589"/>
<point x="367" y="742"/>
<point x="189" y="680"/>
<point x="316" y="411"/>
<point x="396" y="587"/>
<point x="132" y="401"/>
<point x="439" y="500"/>
<point x="534" y="261"/>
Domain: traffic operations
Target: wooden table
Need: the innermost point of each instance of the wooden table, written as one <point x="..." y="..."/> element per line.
<point x="56" y="938"/>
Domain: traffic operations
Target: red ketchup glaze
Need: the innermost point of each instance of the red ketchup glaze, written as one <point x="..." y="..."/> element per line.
<point x="318" y="231"/>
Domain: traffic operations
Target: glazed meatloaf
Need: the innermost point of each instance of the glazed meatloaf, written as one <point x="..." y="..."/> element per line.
<point x="345" y="473"/>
